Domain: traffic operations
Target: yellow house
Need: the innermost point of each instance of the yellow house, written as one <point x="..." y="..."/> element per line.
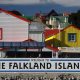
<point x="68" y="37"/>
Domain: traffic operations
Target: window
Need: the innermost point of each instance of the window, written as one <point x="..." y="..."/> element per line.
<point x="0" y="33"/>
<point x="66" y="19"/>
<point x="54" y="19"/>
<point x="72" y="37"/>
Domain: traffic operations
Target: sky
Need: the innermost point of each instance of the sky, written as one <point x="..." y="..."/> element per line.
<point x="30" y="2"/>
<point x="32" y="6"/>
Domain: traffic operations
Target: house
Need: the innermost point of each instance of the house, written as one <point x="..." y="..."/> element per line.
<point x="36" y="30"/>
<point x="12" y="27"/>
<point x="67" y="40"/>
<point x="58" y="21"/>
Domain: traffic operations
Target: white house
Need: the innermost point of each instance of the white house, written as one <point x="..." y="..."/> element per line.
<point x="13" y="28"/>
<point x="36" y="31"/>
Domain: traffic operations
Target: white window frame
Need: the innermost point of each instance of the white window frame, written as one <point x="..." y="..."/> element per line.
<point x="72" y="37"/>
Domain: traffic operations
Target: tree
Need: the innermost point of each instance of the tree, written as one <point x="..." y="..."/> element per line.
<point x="74" y="18"/>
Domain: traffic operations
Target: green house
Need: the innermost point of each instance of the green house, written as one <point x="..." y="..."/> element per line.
<point x="58" y="21"/>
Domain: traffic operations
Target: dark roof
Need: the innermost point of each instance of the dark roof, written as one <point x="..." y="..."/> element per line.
<point x="52" y="13"/>
<point x="16" y="12"/>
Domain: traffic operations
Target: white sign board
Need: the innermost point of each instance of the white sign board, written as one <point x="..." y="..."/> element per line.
<point x="39" y="65"/>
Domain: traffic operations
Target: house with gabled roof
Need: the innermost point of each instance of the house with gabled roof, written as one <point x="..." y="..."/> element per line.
<point x="36" y="30"/>
<point x="56" y="21"/>
<point x="13" y="27"/>
<point x="66" y="40"/>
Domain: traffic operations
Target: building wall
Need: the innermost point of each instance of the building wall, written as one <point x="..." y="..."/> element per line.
<point x="13" y="29"/>
<point x="37" y="36"/>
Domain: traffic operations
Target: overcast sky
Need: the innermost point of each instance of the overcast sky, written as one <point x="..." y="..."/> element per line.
<point x="29" y="2"/>
<point x="30" y="7"/>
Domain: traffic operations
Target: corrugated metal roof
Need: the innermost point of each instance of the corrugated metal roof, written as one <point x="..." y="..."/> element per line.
<point x="50" y="32"/>
<point x="27" y="44"/>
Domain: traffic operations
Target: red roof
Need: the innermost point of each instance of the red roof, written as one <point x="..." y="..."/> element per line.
<point x="8" y="12"/>
<point x="30" y="40"/>
<point x="74" y="26"/>
<point x="50" y="32"/>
